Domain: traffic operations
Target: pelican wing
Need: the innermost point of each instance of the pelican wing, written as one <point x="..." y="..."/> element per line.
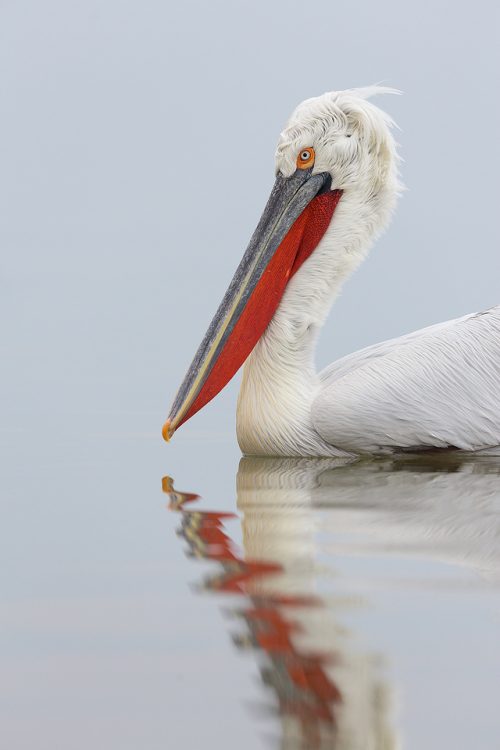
<point x="438" y="387"/>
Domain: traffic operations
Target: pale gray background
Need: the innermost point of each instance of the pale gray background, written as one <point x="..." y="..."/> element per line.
<point x="136" y="154"/>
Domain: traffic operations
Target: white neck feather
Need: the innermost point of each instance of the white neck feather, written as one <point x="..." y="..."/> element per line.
<point x="279" y="378"/>
<point x="355" y="146"/>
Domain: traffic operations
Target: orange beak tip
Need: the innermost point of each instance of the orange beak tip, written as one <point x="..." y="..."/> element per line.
<point x="167" y="484"/>
<point x="166" y="431"/>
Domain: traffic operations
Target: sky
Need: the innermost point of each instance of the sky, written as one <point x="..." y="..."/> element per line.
<point x="136" y="155"/>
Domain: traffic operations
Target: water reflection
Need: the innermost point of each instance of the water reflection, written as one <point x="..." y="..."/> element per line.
<point x="329" y="690"/>
<point x="443" y="505"/>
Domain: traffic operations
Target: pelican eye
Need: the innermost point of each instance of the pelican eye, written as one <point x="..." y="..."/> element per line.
<point x="306" y="158"/>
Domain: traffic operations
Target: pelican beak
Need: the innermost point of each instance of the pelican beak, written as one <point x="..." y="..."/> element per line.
<point x="295" y="219"/>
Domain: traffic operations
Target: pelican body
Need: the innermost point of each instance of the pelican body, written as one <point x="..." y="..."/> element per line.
<point x="336" y="188"/>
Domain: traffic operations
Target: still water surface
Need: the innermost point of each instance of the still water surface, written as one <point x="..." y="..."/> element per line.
<point x="190" y="599"/>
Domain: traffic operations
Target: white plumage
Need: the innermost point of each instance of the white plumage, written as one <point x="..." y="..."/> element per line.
<point x="438" y="387"/>
<point x="435" y="388"/>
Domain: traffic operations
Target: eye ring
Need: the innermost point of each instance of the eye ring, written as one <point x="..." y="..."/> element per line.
<point x="306" y="158"/>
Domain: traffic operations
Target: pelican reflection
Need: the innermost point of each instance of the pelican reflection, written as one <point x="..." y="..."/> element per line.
<point x="327" y="686"/>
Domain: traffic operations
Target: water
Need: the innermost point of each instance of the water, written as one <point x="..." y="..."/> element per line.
<point x="293" y="604"/>
<point x="352" y="605"/>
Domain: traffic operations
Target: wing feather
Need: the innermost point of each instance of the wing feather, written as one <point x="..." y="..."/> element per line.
<point x="438" y="387"/>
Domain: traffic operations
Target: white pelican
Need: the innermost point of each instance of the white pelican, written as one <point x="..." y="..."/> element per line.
<point x="335" y="190"/>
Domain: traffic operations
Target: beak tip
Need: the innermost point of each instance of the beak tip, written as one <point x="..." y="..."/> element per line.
<point x="167" y="485"/>
<point x="166" y="432"/>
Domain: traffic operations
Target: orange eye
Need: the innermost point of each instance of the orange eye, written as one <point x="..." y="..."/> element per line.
<point x="306" y="158"/>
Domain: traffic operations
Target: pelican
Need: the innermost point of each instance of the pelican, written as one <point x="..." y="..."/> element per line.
<point x="336" y="187"/>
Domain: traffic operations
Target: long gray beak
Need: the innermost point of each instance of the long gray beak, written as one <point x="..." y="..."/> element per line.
<point x="226" y="344"/>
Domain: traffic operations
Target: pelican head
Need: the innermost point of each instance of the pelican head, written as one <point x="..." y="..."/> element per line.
<point x="336" y="167"/>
